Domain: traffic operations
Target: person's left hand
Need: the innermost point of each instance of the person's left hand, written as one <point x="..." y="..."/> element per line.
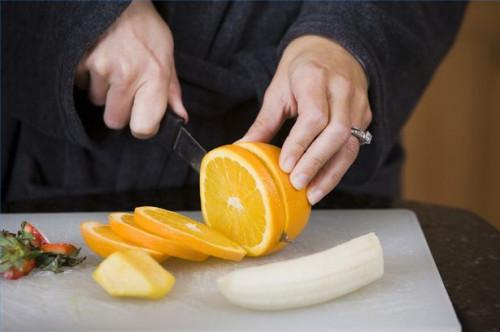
<point x="325" y="87"/>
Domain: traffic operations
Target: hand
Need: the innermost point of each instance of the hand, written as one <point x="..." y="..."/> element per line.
<point x="321" y="84"/>
<point x="131" y="71"/>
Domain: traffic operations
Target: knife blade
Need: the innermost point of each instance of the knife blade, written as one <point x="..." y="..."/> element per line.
<point x="188" y="148"/>
<point x="185" y="145"/>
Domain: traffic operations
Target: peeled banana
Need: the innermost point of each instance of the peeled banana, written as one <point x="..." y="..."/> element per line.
<point x="306" y="280"/>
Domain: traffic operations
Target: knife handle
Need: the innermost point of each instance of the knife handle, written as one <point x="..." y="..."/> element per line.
<point x="169" y="129"/>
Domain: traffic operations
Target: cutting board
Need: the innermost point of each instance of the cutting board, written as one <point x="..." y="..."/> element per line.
<point x="409" y="297"/>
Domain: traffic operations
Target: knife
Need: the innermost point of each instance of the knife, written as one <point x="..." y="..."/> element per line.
<point x="185" y="145"/>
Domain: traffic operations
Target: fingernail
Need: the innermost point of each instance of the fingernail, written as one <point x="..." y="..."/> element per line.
<point x="287" y="165"/>
<point x="299" y="181"/>
<point x="314" y="196"/>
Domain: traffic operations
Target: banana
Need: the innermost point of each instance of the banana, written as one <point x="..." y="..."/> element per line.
<point x="307" y="280"/>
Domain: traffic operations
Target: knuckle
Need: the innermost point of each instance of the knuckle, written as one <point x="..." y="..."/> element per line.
<point x="316" y="118"/>
<point x="261" y="126"/>
<point x="368" y="118"/>
<point x="316" y="162"/>
<point x="316" y="70"/>
<point x="333" y="180"/>
<point x="97" y="64"/>
<point x="307" y="87"/>
<point x="269" y="95"/>
<point x="330" y="181"/>
<point x="285" y="103"/>
<point x="158" y="71"/>
<point x="309" y="77"/>
<point x="316" y="75"/>
<point x="273" y="98"/>
<point x="361" y="94"/>
<point x="124" y="72"/>
<point x="298" y="147"/>
<point x="340" y="132"/>
<point x="342" y="83"/>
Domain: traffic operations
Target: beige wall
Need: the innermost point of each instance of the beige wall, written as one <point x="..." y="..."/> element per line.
<point x="453" y="139"/>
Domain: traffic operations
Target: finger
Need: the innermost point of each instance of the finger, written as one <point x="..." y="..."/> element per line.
<point x="175" y="97"/>
<point x="150" y="103"/>
<point x="271" y="116"/>
<point x="119" y="102"/>
<point x="82" y="75"/>
<point x="361" y="115"/>
<point x="313" y="117"/>
<point x="333" y="171"/>
<point x="98" y="89"/>
<point x="327" y="143"/>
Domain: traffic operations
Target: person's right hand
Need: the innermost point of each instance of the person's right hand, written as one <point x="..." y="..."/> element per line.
<point x="131" y="71"/>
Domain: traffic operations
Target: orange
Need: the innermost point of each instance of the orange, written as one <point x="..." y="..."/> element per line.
<point x="240" y="199"/>
<point x="101" y="240"/>
<point x="297" y="207"/>
<point x="123" y="225"/>
<point x="187" y="231"/>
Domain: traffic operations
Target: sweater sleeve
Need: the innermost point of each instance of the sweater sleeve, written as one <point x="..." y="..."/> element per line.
<point x="398" y="44"/>
<point x="41" y="45"/>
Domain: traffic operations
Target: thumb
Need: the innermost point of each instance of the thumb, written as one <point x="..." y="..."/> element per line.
<point x="269" y="120"/>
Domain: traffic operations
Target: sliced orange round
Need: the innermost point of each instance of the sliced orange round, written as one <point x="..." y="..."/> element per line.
<point x="123" y="225"/>
<point x="101" y="240"/>
<point x="240" y="199"/>
<point x="297" y="207"/>
<point x="187" y="231"/>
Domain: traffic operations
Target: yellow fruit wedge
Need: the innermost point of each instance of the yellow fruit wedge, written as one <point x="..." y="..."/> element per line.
<point x="240" y="199"/>
<point x="187" y="231"/>
<point x="133" y="273"/>
<point x="297" y="207"/>
<point x="124" y="226"/>
<point x="101" y="240"/>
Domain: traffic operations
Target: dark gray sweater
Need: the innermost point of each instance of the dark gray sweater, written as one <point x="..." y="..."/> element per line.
<point x="54" y="142"/>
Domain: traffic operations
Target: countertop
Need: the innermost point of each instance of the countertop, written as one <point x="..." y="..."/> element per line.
<point x="465" y="247"/>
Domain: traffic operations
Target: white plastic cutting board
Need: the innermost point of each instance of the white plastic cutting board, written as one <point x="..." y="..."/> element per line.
<point x="409" y="297"/>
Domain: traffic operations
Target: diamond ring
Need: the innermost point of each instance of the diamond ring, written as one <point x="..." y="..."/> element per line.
<point x="364" y="137"/>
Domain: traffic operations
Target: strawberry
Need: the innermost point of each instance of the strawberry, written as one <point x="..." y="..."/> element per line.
<point x="58" y="248"/>
<point x="37" y="237"/>
<point x="29" y="248"/>
<point x="16" y="255"/>
<point x="16" y="273"/>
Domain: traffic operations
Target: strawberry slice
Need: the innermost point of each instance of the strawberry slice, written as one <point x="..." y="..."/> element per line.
<point x="37" y="239"/>
<point x="55" y="256"/>
<point x="66" y="249"/>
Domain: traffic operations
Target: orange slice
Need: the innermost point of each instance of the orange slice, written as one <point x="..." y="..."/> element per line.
<point x="101" y="240"/>
<point x="240" y="199"/>
<point x="123" y="225"/>
<point x="297" y="207"/>
<point x="187" y="231"/>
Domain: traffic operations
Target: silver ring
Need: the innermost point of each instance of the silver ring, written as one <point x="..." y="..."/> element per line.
<point x="364" y="137"/>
